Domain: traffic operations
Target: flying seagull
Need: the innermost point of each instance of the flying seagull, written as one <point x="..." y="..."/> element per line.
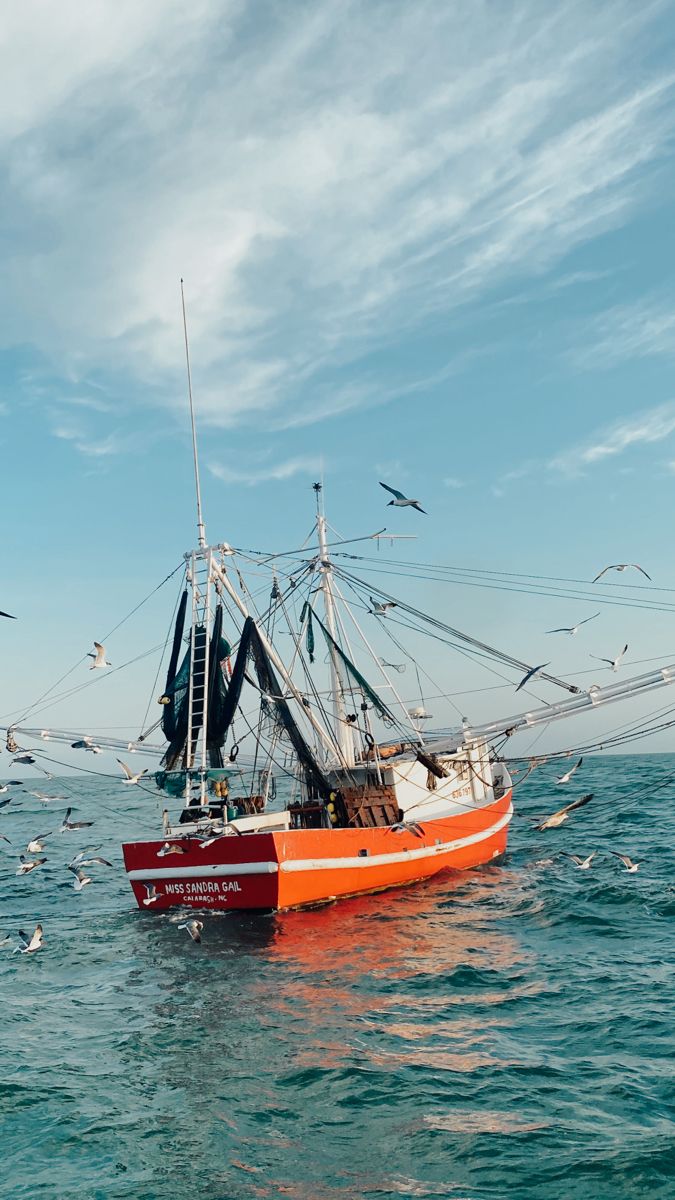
<point x="401" y="501"/>
<point x="68" y="824"/>
<point x="380" y="607"/>
<point x="622" y="567"/>
<point x="9" y="615"/>
<point x="407" y="827"/>
<point x="194" y="928"/>
<point x="129" y="775"/>
<point x="23" y="759"/>
<point x="613" y="663"/>
<point x="28" y="865"/>
<point x="79" y="861"/>
<point x="572" y="630"/>
<point x="99" y="657"/>
<point x="568" y="774"/>
<point x="36" y="844"/>
<point x="47" y="799"/>
<point x="563" y="814"/>
<point x="531" y="674"/>
<point x="29" y="944"/>
<point x="168" y="848"/>
<point x="152" y="896"/>
<point x="5" y="839"/>
<point x="630" y="866"/>
<point x="582" y="863"/>
<point x="81" y="878"/>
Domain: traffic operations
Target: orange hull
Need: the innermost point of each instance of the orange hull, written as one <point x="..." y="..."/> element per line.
<point x="298" y="867"/>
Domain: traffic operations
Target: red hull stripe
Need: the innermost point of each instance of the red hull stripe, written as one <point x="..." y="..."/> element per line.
<point x="321" y="864"/>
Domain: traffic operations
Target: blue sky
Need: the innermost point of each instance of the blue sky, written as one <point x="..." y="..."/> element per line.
<point x="426" y="243"/>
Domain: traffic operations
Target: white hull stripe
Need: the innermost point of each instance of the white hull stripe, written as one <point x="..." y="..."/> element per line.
<point x="402" y="856"/>
<point x="321" y="864"/>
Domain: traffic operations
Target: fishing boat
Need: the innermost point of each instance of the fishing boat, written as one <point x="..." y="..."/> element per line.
<point x="340" y="789"/>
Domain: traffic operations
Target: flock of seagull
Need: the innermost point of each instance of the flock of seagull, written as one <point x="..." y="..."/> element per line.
<point x="28" y="944"/>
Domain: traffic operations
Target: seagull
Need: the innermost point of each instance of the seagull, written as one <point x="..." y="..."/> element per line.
<point x="4" y="803"/>
<point x="582" y="863"/>
<point x="29" y="944"/>
<point x="194" y="928"/>
<point x="407" y="827"/>
<point x="5" y="941"/>
<point x="630" y="866"/>
<point x="398" y="667"/>
<point x="79" y="861"/>
<point x="68" y="824"/>
<point x="24" y="759"/>
<point x="401" y="501"/>
<point x="531" y="674"/>
<point x="4" y="787"/>
<point x="99" y="657"/>
<point x="152" y="895"/>
<point x="47" y="799"/>
<point x="168" y="848"/>
<point x="8" y="615"/>
<point x="419" y="714"/>
<point x="562" y="815"/>
<point x="5" y="839"/>
<point x="572" y="630"/>
<point x="130" y="777"/>
<point x="568" y="774"/>
<point x="29" y="865"/>
<point x="81" y="879"/>
<point x="210" y="840"/>
<point x="36" y="844"/>
<point x="379" y="608"/>
<point x="613" y="663"/>
<point x="622" y="567"/>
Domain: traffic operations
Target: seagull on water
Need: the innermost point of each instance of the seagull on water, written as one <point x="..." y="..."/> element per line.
<point x="582" y="863"/>
<point x="622" y="567"/>
<point x="563" y="814"/>
<point x="152" y="896"/>
<point x="401" y="501"/>
<point x="99" y="657"/>
<point x="572" y="630"/>
<point x="129" y="775"/>
<point x="380" y="607"/>
<point x="612" y="663"/>
<point x="29" y="944"/>
<point x="630" y="866"/>
<point x="28" y="865"/>
<point x="81" y="878"/>
<point x="531" y="674"/>
<point x="36" y="844"/>
<point x="194" y="928"/>
<point x="68" y="824"/>
<point x="568" y="774"/>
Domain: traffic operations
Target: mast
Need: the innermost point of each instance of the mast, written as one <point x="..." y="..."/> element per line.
<point x="342" y="729"/>
<point x="201" y="531"/>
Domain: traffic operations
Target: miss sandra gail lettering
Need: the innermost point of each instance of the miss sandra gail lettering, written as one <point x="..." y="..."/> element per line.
<point x="198" y="887"/>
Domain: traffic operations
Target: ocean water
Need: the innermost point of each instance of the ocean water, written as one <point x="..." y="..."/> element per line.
<point x="503" y="1033"/>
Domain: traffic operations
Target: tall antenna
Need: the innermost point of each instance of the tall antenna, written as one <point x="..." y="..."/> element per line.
<point x="201" y="532"/>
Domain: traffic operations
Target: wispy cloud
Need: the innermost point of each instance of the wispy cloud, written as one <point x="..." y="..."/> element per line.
<point x="642" y="329"/>
<point x="89" y="446"/>
<point x="323" y="185"/>
<point x="645" y="428"/>
<point x="266" y="472"/>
